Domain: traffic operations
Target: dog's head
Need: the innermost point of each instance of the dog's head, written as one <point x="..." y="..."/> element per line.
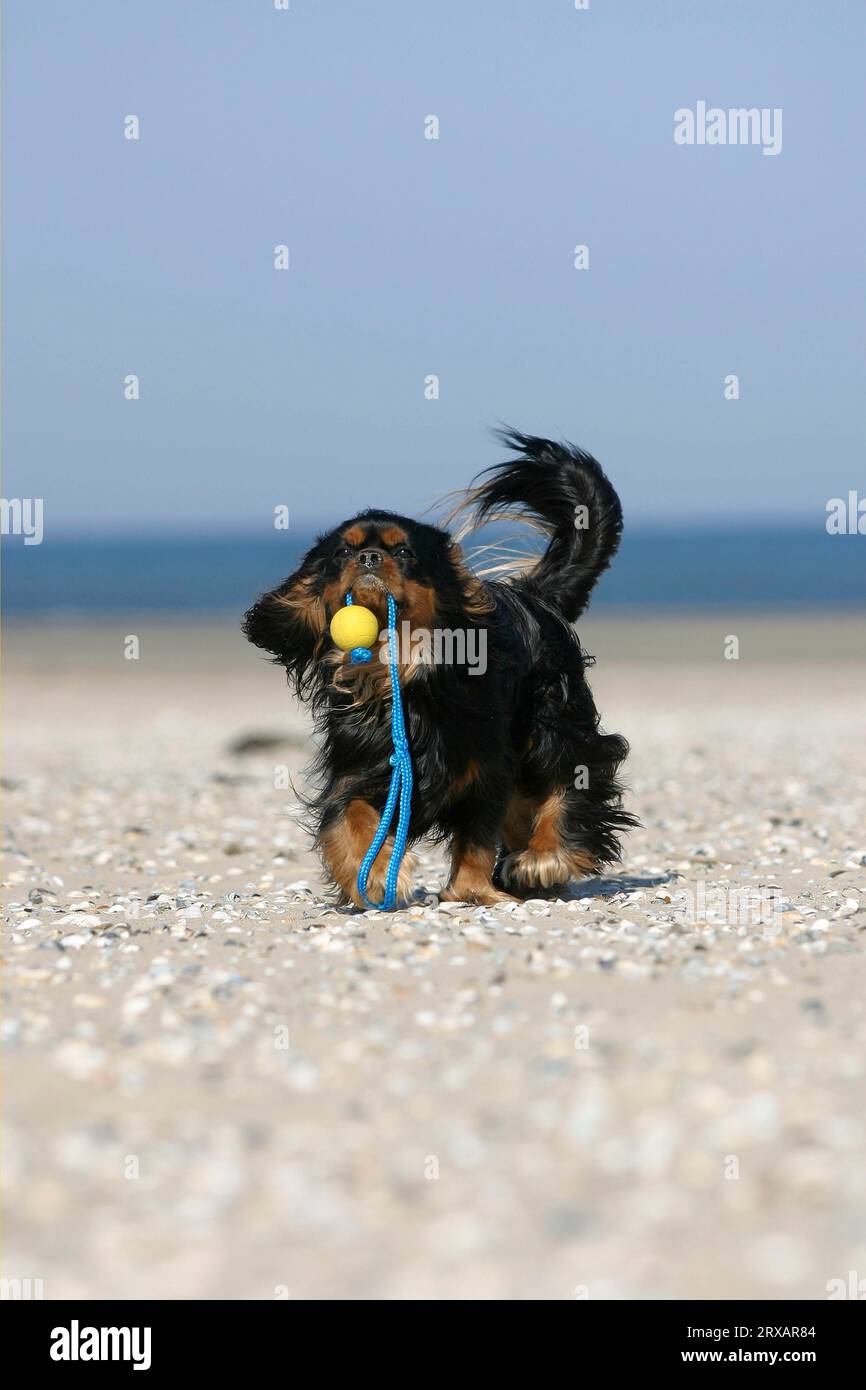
<point x="371" y="555"/>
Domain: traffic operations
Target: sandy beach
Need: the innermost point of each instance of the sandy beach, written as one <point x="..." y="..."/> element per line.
<point x="219" y="1086"/>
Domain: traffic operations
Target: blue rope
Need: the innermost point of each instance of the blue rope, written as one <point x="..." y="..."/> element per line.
<point x="401" y="779"/>
<point x="358" y="653"/>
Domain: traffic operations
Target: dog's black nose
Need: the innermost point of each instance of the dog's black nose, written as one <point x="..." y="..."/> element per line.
<point x="370" y="559"/>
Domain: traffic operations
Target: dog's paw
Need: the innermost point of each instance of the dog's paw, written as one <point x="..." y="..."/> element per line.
<point x="376" y="882"/>
<point x="530" y="868"/>
<point x="486" y="896"/>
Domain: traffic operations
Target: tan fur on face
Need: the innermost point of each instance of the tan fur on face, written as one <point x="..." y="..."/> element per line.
<point x="368" y="588"/>
<point x="343" y="846"/>
<point x="394" y="535"/>
<point x="417" y="606"/>
<point x="416" y="602"/>
<point x="355" y="535"/>
<point x="334" y="597"/>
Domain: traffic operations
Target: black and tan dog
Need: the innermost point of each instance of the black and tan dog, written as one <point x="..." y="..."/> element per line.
<point x="510" y="765"/>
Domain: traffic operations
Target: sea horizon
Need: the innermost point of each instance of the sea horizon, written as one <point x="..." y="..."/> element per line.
<point x="699" y="567"/>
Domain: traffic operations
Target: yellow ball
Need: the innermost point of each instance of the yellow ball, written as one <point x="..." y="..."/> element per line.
<point x="354" y="626"/>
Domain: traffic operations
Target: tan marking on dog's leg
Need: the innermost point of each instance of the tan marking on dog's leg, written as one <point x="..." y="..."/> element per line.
<point x="343" y="846"/>
<point x="471" y="878"/>
<point x="545" y="861"/>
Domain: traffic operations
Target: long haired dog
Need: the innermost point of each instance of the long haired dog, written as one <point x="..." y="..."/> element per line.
<point x="511" y="767"/>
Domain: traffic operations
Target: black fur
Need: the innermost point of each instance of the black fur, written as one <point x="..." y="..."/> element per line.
<point x="518" y="736"/>
<point x="552" y="481"/>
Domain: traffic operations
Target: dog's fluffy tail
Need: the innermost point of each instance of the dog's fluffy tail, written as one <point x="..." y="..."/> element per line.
<point x="565" y="493"/>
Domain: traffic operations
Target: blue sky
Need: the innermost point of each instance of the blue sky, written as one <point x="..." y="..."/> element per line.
<point x="413" y="256"/>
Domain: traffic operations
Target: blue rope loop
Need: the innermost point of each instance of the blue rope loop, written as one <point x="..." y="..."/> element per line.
<point x="358" y="654"/>
<point x="400" y="790"/>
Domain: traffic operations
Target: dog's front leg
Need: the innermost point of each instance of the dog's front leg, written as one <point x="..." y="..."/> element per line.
<point x="471" y="878"/>
<point x="343" y="840"/>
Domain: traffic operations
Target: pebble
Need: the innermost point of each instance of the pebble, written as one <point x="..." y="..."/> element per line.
<point x="353" y="1105"/>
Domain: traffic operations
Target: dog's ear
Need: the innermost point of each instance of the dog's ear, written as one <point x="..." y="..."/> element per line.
<point x="290" y="622"/>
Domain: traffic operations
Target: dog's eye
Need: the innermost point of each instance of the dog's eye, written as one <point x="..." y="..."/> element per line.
<point x="342" y="552"/>
<point x="404" y="553"/>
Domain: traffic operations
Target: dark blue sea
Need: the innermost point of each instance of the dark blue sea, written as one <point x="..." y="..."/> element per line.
<point x="686" y="569"/>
